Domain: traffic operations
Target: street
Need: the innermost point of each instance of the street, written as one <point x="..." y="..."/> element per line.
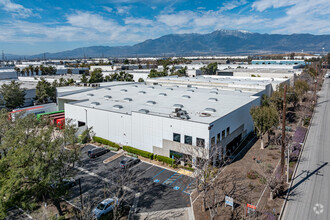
<point x="310" y="192"/>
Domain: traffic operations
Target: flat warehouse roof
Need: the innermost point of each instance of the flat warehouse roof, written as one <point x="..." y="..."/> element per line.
<point x="201" y="105"/>
<point x="221" y="80"/>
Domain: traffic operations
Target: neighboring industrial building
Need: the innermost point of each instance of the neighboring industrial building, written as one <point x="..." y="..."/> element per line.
<point x="256" y="85"/>
<point x="279" y="62"/>
<point x="196" y="122"/>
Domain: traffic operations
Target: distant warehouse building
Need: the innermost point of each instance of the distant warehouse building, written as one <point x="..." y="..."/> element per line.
<point x="195" y="122"/>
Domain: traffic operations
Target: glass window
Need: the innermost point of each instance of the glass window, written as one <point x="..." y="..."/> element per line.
<point x="200" y="142"/>
<point x="228" y="130"/>
<point x="176" y="137"/>
<point x="218" y="138"/>
<point x="188" y="139"/>
<point x="223" y="134"/>
<point x="212" y="141"/>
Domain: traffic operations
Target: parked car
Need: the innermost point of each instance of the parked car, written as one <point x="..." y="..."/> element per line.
<point x="66" y="183"/>
<point x="105" y="207"/>
<point x="96" y="152"/>
<point x="128" y="162"/>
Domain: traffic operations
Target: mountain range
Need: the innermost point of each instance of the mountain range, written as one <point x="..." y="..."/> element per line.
<point x="220" y="42"/>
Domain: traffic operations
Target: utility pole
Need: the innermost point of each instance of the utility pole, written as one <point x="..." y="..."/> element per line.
<point x="283" y="131"/>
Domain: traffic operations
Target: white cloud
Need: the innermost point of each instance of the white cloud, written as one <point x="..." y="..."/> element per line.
<point x="232" y="4"/>
<point x="179" y="19"/>
<point x="139" y="21"/>
<point x="108" y="9"/>
<point x="16" y="9"/>
<point x="123" y="9"/>
<point x="262" y="5"/>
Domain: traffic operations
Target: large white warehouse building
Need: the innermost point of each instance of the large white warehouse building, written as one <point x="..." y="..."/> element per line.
<point x="162" y="119"/>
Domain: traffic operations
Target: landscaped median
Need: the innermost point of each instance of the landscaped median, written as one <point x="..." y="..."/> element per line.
<point x="145" y="154"/>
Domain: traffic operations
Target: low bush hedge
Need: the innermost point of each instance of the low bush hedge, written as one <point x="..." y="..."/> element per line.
<point x="106" y="142"/>
<point x="189" y="168"/>
<point x="142" y="153"/>
<point x="165" y="159"/>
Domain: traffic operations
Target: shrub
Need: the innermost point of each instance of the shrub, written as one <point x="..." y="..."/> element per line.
<point x="111" y="148"/>
<point x="142" y="153"/>
<point x="175" y="166"/>
<point x="252" y="174"/>
<point x="294" y="155"/>
<point x="106" y="142"/>
<point x="262" y="180"/>
<point x="165" y="159"/>
<point x="189" y="168"/>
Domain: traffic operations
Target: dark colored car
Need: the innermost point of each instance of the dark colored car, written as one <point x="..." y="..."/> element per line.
<point x="96" y="152"/>
<point x="128" y="162"/>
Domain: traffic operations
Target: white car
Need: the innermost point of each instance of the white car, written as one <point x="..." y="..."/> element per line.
<point x="105" y="207"/>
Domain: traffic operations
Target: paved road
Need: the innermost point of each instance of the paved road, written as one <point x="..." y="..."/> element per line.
<point x="310" y="196"/>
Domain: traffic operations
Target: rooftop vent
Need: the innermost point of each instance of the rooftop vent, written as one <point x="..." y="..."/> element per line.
<point x="150" y="102"/>
<point x="186" y="97"/>
<point x="213" y="99"/>
<point x="123" y="90"/>
<point x="93" y="104"/>
<point x="107" y="97"/>
<point x="128" y="99"/>
<point x="179" y="113"/>
<point x="214" y="92"/>
<point x="117" y="107"/>
<point x="177" y="106"/>
<point x="90" y="94"/>
<point x="162" y="94"/>
<point x="142" y="92"/>
<point x="210" y="110"/>
<point x="191" y="90"/>
<point x="145" y="111"/>
<point x="204" y="114"/>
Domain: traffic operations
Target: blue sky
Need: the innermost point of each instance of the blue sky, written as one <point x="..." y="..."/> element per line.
<point x="37" y="26"/>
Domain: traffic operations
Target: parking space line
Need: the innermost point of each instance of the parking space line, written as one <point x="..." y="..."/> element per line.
<point x="187" y="187"/>
<point x="175" y="179"/>
<point x="134" y="166"/>
<point x="158" y="174"/>
<point x="100" y="177"/>
<point x="145" y="171"/>
<point x="168" y="181"/>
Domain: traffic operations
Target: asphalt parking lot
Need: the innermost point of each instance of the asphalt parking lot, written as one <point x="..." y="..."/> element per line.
<point x="158" y="188"/>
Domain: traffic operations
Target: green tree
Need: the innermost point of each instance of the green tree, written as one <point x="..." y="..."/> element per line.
<point x="210" y="69"/>
<point x="45" y="92"/>
<point x="154" y="73"/>
<point x="264" y="118"/>
<point x="84" y="78"/>
<point x="12" y="95"/>
<point x="301" y="87"/>
<point x="17" y="70"/>
<point x="69" y="71"/>
<point x="36" y="162"/>
<point x="96" y="76"/>
<point x="141" y="80"/>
